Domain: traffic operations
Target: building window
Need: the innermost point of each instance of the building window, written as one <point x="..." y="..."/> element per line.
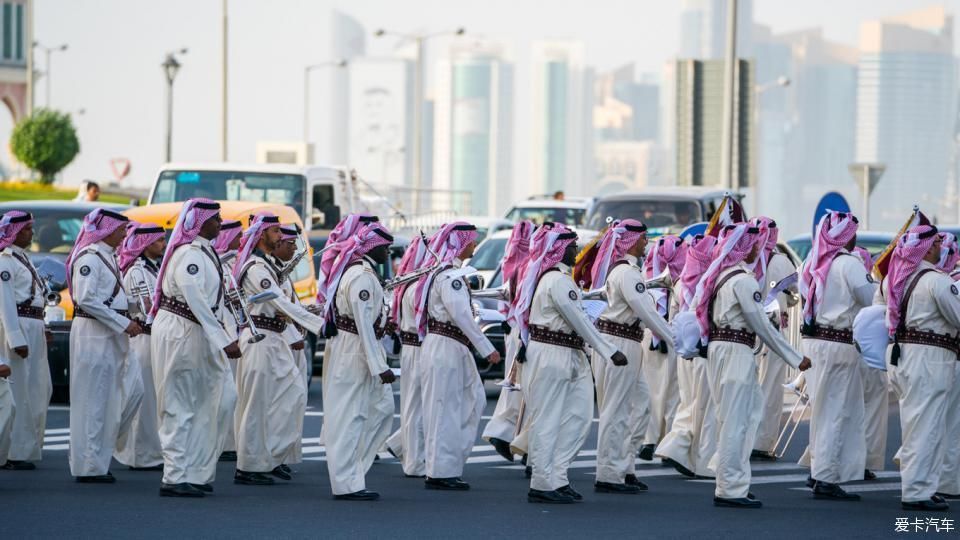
<point x="20" y="37"/>
<point x="7" y="31"/>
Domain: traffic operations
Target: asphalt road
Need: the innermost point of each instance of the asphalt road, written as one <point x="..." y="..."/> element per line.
<point x="47" y="503"/>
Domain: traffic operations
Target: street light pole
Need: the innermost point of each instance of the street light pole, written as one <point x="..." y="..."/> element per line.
<point x="170" y="67"/>
<point x="729" y="85"/>
<point x="223" y="83"/>
<point x="48" y="52"/>
<point x="306" y="92"/>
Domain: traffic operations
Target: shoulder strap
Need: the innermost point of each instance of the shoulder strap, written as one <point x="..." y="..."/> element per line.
<point x="716" y="291"/>
<point x="37" y="282"/>
<point x="118" y="281"/>
<point x="905" y="301"/>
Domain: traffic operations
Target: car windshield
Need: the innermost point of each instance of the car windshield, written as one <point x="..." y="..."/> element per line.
<point x="56" y="231"/>
<point x="488" y="254"/>
<point x="572" y="217"/>
<point x="178" y="186"/>
<point x="653" y="213"/>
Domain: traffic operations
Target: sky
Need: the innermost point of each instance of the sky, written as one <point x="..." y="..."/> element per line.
<point x="112" y="66"/>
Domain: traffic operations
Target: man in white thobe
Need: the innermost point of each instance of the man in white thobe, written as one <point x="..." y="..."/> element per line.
<point x="8" y="410"/>
<point x="227" y="245"/>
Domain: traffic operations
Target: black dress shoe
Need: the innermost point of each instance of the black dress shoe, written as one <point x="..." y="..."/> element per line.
<point x="281" y="474"/>
<point x="528" y="471"/>
<point x="180" y="490"/>
<point x="100" y="479"/>
<point x="15" y="465"/>
<point x="206" y="488"/>
<point x="680" y="468"/>
<point x="737" y="503"/>
<point x="760" y="455"/>
<point x="646" y="452"/>
<point x="548" y="497"/>
<point x="751" y="496"/>
<point x="446" y="484"/>
<point x="405" y="475"/>
<point x="570" y="492"/>
<point x="811" y="482"/>
<point x="632" y="480"/>
<point x="610" y="487"/>
<point x="252" y="478"/>
<point x="503" y="448"/>
<point x="228" y="456"/>
<point x="869" y="475"/>
<point x="362" y="495"/>
<point x="824" y="490"/>
<point x="949" y="496"/>
<point x="389" y="451"/>
<point x="153" y="468"/>
<point x="926" y="506"/>
<point x="286" y="468"/>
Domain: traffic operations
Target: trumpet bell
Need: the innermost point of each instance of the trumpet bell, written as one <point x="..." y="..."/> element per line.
<point x="501" y="293"/>
<point x="662" y="281"/>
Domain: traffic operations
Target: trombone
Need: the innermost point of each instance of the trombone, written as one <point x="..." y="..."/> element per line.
<point x="797" y="386"/>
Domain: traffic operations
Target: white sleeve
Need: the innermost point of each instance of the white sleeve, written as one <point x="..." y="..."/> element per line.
<point x="945" y="295"/>
<point x="192" y="287"/>
<point x="365" y="309"/>
<point x="748" y="295"/>
<point x="88" y="295"/>
<point x="643" y="306"/>
<point x="565" y="297"/>
<point x="8" y="307"/>
<point x="458" y="305"/>
<point x="282" y="303"/>
<point x="862" y="286"/>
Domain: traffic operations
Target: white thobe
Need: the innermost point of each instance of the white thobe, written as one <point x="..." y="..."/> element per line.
<point x="357" y="406"/>
<point x="503" y="422"/>
<point x="413" y="454"/>
<point x="559" y="393"/>
<point x="773" y="371"/>
<point x="837" y="437"/>
<point x="660" y="374"/>
<point x="139" y="444"/>
<point x="295" y="334"/>
<point x="271" y="390"/>
<point x="923" y="381"/>
<point x="188" y="366"/>
<point x="228" y="404"/>
<point x="732" y="375"/>
<point x="8" y="413"/>
<point x="622" y="389"/>
<point x="453" y="396"/>
<point x="29" y="384"/>
<point x="98" y="351"/>
<point x="876" y="413"/>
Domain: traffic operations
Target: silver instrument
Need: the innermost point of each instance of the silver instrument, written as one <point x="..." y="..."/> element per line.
<point x="239" y="306"/>
<point x="227" y="257"/>
<point x="141" y="290"/>
<point x="289" y="267"/>
<point x="797" y="386"/>
<point x="662" y="281"/>
<point x="501" y="293"/>
<point x="52" y="276"/>
<point x="416" y="274"/>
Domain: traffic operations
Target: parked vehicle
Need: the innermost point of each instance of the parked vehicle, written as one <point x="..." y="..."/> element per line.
<point x="668" y="210"/>
<point x="570" y="211"/>
<point x="873" y="241"/>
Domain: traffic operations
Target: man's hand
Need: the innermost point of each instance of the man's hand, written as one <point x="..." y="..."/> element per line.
<point x="619" y="359"/>
<point x="22" y="352"/>
<point x="494" y="358"/>
<point x="805" y="364"/>
<point x="387" y="377"/>
<point x="232" y="350"/>
<point x="298" y="346"/>
<point x="133" y="329"/>
<point x="5" y="371"/>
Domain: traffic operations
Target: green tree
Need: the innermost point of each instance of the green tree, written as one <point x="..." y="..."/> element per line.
<point x="46" y="142"/>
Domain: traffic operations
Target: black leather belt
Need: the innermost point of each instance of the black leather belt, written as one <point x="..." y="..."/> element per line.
<point x="410" y="338"/>
<point x="447" y="330"/>
<point x="922" y="337"/>
<point x="79" y="312"/>
<point x="273" y="324"/>
<point x="29" y="312"/>
<point x="633" y="332"/>
<point x="825" y="333"/>
<point x="562" y="339"/>
<point x="731" y="335"/>
<point x="181" y="309"/>
<point x="348" y="324"/>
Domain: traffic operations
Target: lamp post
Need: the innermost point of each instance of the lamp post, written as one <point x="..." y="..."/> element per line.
<point x="48" y="52"/>
<point x="418" y="87"/>
<point x="170" y="67"/>
<point x="339" y="63"/>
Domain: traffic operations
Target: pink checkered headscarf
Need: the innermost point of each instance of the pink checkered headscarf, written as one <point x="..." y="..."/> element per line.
<point x="911" y="248"/>
<point x="770" y="233"/>
<point x="11" y="224"/>
<point x="411" y="260"/>
<point x="139" y="236"/>
<point x="699" y="255"/>
<point x="448" y="243"/>
<point x="347" y="227"/>
<point x="546" y="250"/>
<point x="668" y="252"/>
<point x="248" y="242"/>
<point x="619" y="237"/>
<point x="835" y="230"/>
<point x="230" y="230"/>
<point x="949" y="253"/>
<point x="193" y="215"/>
<point x="865" y="257"/>
<point x="516" y="252"/>
<point x="289" y="232"/>
<point x="352" y="249"/>
<point x="97" y="225"/>
<point x="732" y="250"/>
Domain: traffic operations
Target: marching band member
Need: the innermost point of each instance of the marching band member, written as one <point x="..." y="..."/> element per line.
<point x="23" y="346"/>
<point x="186" y="345"/>
<point x="8" y="411"/>
<point x="660" y="360"/>
<point x="453" y="396"/>
<point x="99" y="343"/>
<point x="876" y="401"/>
<point x="923" y="320"/>
<point x="357" y="392"/>
<point x="226" y="246"/>
<point x="692" y="440"/>
<point x="621" y="390"/>
<point x="835" y="288"/>
<point x="557" y="386"/>
<point x="502" y="427"/>
<point x="731" y="318"/>
<point x="949" y="487"/>
<point x="272" y="391"/>
<point x="771" y="267"/>
<point x="138" y="446"/>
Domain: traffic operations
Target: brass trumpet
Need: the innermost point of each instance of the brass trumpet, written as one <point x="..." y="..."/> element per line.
<point x="662" y="281"/>
<point x="239" y="306"/>
<point x="141" y="289"/>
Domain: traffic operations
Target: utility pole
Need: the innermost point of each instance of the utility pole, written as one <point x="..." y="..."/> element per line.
<point x="727" y="178"/>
